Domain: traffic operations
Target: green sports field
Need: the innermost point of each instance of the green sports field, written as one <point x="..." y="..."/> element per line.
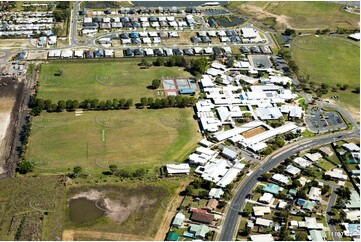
<point x="332" y="61"/>
<point x="127" y="138"/>
<point x="101" y="79"/>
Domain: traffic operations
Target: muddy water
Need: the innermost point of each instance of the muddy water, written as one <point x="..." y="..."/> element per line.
<point x="82" y="210"/>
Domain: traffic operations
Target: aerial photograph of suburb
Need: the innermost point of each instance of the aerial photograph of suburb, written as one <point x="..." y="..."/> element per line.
<point x="180" y="120"/>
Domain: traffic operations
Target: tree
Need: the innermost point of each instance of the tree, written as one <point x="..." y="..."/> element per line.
<point x="128" y="103"/>
<point x="344" y="87"/>
<point x="344" y="192"/>
<point x="296" y="183"/>
<point x="343" y="215"/>
<point x="301" y="236"/>
<point x="189" y="190"/>
<point x="113" y="168"/>
<point x="266" y="176"/>
<point x="77" y="170"/>
<point x="139" y="172"/>
<point x="230" y="61"/>
<point x="122" y="173"/>
<point x="144" y="101"/>
<point x="47" y="104"/>
<point x="159" y="61"/>
<point x="61" y="105"/>
<point x="156" y="83"/>
<point x="289" y="32"/>
<point x="25" y="167"/>
<point x="356" y="90"/>
<point x="325" y="189"/>
<point x="198" y="67"/>
<point x="279" y="141"/>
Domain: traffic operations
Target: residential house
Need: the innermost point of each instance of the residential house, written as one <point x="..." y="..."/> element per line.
<point x="199" y="230"/>
<point x="264" y="222"/>
<point x="272" y="188"/>
<point x="326" y="150"/>
<point x="313" y="157"/>
<point x="266" y="198"/>
<point x="280" y="178"/>
<point x="178" y="220"/>
<point x="202" y="216"/>
<point x="315" y="194"/>
<point x="260" y="211"/>
<point x="215" y="193"/>
<point x="292" y="170"/>
<point x="211" y="205"/>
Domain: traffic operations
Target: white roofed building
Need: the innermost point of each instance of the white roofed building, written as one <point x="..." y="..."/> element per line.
<point x="280" y="178"/>
<point x="178" y="169"/>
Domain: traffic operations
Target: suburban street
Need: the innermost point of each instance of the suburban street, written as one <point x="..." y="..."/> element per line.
<point x="231" y="220"/>
<point x="331" y="202"/>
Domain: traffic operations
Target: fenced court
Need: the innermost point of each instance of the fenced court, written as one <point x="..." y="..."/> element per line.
<point x="172" y="86"/>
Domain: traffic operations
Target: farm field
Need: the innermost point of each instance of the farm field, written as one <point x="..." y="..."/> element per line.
<point x="331" y="61"/>
<point x="128" y="138"/>
<point x="102" y="80"/>
<point x="32" y="208"/>
<point x="302" y="16"/>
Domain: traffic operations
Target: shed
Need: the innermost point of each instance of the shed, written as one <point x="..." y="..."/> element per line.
<point x="190" y="91"/>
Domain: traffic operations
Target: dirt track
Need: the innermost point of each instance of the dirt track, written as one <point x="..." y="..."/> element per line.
<point x="170" y="212"/>
<point x="70" y="235"/>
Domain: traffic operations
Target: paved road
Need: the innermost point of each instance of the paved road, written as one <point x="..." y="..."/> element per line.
<point x="331" y="202"/>
<point x="231" y="220"/>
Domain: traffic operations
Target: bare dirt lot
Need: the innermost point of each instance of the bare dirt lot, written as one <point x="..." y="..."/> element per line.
<point x="254" y="132"/>
<point x="11" y="91"/>
<point x="17" y="43"/>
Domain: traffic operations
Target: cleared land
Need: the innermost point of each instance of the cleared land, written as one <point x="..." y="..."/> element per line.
<point x="332" y="61"/>
<point x="299" y="15"/>
<point x="101" y="79"/>
<point x="32" y="208"/>
<point x="127" y="138"/>
<point x="142" y="204"/>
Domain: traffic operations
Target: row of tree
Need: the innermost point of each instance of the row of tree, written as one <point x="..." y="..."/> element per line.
<point x="38" y="105"/>
<point x="167" y="102"/>
<point x="195" y="66"/>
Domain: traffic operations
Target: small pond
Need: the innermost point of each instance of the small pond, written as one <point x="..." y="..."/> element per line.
<point x="229" y="21"/>
<point x="82" y="210"/>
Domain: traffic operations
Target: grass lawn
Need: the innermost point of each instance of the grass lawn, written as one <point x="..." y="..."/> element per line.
<point x="326" y="165"/>
<point x="331" y="61"/>
<point x="307" y="133"/>
<point x="32" y="208"/>
<point x="300" y="15"/>
<point x="126" y="138"/>
<point x="101" y="79"/>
